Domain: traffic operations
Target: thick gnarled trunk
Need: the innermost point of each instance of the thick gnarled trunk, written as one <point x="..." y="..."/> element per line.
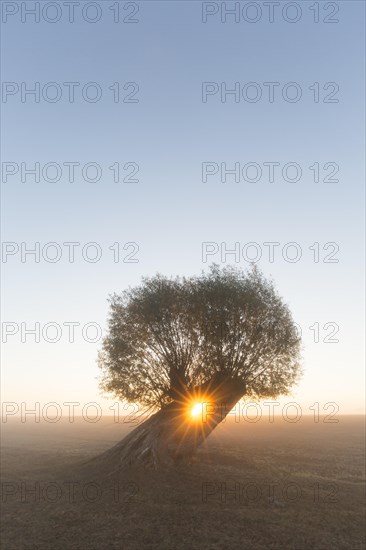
<point x="172" y="434"/>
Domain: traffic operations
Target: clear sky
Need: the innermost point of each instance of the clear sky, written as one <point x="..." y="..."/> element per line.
<point x="166" y="124"/>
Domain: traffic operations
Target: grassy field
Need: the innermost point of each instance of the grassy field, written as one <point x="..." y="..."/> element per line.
<point x="254" y="485"/>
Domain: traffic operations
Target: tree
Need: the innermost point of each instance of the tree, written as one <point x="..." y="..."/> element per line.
<point x="179" y="346"/>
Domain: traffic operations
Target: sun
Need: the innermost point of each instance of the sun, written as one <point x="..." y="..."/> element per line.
<point x="197" y="409"/>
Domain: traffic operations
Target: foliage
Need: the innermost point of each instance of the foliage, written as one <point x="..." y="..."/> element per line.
<point x="172" y="334"/>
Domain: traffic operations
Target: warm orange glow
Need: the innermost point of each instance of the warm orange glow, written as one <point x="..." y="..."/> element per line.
<point x="197" y="409"/>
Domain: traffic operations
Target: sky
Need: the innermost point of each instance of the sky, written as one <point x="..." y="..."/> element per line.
<point x="170" y="95"/>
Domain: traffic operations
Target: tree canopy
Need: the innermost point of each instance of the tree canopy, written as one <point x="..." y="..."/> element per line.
<point x="168" y="335"/>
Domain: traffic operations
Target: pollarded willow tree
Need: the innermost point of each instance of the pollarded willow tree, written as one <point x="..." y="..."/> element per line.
<point x="194" y="345"/>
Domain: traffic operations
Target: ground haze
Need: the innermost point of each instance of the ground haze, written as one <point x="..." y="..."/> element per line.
<point x="253" y="485"/>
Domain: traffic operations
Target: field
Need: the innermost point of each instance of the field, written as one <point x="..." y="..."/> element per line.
<point x="254" y="485"/>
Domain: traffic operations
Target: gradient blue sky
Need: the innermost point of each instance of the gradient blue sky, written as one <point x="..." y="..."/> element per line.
<point x="170" y="212"/>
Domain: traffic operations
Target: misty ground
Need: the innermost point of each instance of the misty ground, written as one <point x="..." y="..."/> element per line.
<point x="257" y="486"/>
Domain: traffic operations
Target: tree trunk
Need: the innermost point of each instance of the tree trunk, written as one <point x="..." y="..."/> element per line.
<point x="172" y="434"/>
